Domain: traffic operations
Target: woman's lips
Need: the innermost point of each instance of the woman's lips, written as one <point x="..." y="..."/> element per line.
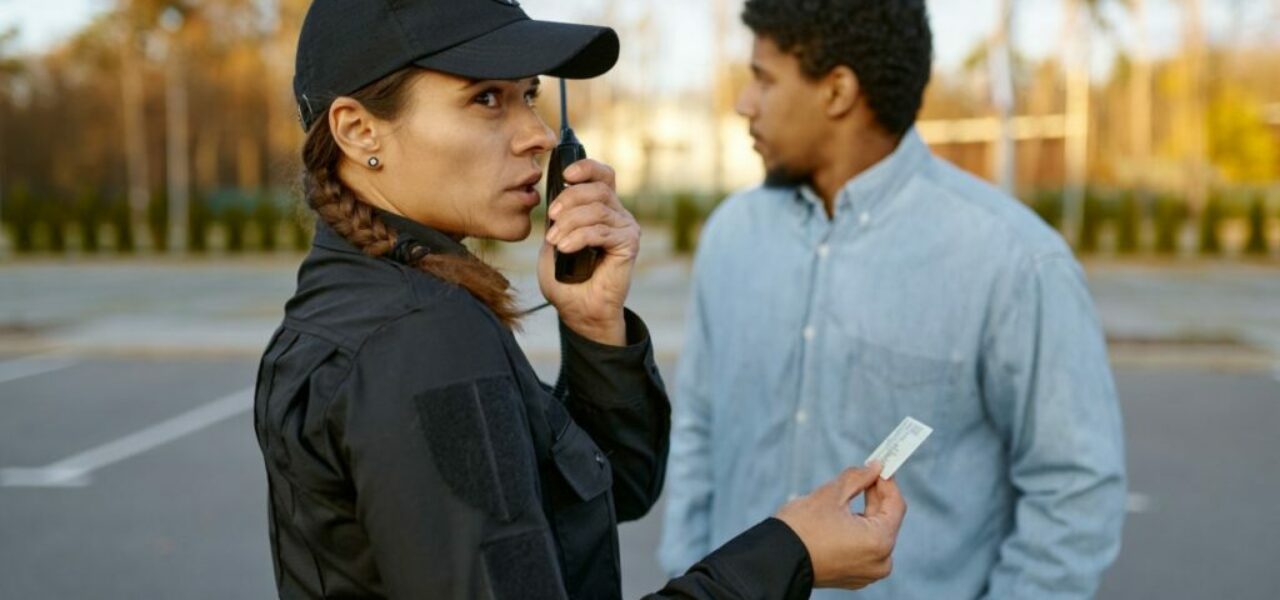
<point x="528" y="195"/>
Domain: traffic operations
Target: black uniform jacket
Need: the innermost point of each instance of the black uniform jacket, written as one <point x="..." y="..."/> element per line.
<point x="411" y="451"/>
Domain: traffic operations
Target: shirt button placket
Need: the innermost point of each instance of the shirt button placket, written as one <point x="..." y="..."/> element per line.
<point x="799" y="463"/>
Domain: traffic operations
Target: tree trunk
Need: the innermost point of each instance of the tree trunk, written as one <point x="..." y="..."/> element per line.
<point x="1001" y="69"/>
<point x="1140" y="98"/>
<point x="1077" y="126"/>
<point x="135" y="133"/>
<point x="1193" y="62"/>
<point x="178" y="148"/>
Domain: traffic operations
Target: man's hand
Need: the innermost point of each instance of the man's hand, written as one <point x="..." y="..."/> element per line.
<point x="847" y="550"/>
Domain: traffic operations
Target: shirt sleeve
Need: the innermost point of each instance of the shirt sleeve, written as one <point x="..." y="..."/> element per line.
<point x="766" y="561"/>
<point x="1048" y="388"/>
<point x="443" y="467"/>
<point x="686" y="531"/>
<point x="617" y="395"/>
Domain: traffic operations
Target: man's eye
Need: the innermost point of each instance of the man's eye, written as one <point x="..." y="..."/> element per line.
<point x="531" y="98"/>
<point x="488" y="99"/>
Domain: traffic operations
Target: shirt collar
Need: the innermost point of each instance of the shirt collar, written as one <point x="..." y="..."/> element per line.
<point x="867" y="191"/>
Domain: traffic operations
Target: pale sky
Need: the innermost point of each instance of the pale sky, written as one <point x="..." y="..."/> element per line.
<point x="679" y="50"/>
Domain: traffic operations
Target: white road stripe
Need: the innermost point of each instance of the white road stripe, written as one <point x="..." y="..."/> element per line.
<point x="74" y="471"/>
<point x="11" y="370"/>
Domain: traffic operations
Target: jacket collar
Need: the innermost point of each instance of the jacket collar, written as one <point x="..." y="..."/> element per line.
<point x="433" y="240"/>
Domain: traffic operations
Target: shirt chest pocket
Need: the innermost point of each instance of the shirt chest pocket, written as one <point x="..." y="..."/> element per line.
<point x="583" y="515"/>
<point x="884" y="385"/>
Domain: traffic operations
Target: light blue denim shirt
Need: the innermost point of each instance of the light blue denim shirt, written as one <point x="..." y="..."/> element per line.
<point x="929" y="294"/>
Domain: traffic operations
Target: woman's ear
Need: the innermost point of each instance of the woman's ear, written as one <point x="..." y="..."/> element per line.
<point x="355" y="129"/>
<point x="842" y="91"/>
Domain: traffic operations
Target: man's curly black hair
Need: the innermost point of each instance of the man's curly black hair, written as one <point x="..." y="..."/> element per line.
<point x="887" y="44"/>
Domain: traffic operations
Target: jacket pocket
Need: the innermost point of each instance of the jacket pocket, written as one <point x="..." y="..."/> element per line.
<point x="584" y="516"/>
<point x="581" y="463"/>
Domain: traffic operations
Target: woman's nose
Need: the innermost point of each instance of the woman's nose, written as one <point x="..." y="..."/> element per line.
<point x="535" y="138"/>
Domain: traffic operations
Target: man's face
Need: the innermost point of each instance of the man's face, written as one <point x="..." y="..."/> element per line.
<point x="786" y="113"/>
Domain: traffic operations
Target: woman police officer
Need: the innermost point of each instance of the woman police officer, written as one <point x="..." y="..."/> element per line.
<point x="410" y="450"/>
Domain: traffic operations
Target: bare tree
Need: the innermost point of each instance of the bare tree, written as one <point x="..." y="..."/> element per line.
<point x="1193" y="64"/>
<point x="177" y="135"/>
<point x="1000" y="63"/>
<point x="1078" y="33"/>
<point x="8" y="68"/>
<point x="1140" y="95"/>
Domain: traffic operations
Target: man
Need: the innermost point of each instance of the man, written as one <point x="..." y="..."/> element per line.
<point x="868" y="281"/>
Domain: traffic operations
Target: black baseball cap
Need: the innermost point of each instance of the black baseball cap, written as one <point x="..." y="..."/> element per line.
<point x="346" y="45"/>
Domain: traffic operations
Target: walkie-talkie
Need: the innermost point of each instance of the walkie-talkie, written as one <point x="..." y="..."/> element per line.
<point x="576" y="267"/>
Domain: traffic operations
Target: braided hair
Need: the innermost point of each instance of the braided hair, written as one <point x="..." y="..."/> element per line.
<point x="356" y="221"/>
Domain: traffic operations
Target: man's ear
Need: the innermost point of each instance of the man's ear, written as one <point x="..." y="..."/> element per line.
<point x="354" y="128"/>
<point x="841" y="91"/>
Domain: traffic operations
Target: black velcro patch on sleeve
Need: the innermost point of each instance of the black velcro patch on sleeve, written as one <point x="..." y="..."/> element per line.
<point x="523" y="567"/>
<point x="481" y="444"/>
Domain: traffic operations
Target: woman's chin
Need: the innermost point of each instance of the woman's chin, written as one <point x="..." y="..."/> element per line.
<point x="515" y="231"/>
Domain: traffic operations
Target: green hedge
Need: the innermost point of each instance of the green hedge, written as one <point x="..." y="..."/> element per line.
<point x="45" y="221"/>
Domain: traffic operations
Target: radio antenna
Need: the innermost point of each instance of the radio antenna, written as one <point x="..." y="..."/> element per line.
<point x="564" y="107"/>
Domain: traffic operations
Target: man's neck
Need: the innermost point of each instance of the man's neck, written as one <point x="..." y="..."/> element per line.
<point x="848" y="159"/>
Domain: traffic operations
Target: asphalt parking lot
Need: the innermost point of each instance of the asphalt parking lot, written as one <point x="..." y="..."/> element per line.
<point x="128" y="466"/>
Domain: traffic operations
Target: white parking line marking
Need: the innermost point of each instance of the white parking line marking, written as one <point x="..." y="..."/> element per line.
<point x="28" y="366"/>
<point x="1138" y="503"/>
<point x="75" y="471"/>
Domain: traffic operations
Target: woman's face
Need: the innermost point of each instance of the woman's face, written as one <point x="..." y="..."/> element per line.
<point x="463" y="156"/>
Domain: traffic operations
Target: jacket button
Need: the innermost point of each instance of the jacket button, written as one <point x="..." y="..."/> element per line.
<point x="599" y="460"/>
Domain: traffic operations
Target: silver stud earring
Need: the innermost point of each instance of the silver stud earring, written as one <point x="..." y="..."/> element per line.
<point x="374" y="162"/>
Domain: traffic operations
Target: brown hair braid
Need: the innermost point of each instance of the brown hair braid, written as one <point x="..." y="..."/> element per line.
<point x="356" y="221"/>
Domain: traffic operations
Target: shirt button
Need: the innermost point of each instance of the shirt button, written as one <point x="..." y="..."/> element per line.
<point x="823" y="251"/>
<point x="801" y="417"/>
<point x="809" y="333"/>
<point x="864" y="218"/>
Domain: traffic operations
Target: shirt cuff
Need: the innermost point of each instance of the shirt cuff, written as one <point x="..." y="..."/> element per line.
<point x="605" y="375"/>
<point x="768" y="561"/>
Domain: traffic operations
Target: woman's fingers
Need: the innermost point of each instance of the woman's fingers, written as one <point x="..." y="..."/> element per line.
<point x="581" y="194"/>
<point x="600" y="235"/>
<point x="590" y="170"/>
<point x="585" y="216"/>
<point x="853" y="481"/>
<point x="884" y="502"/>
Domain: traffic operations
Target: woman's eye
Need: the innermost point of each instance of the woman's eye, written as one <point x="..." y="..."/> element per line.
<point x="489" y="99"/>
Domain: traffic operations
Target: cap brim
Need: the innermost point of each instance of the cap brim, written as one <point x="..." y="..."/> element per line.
<point x="527" y="48"/>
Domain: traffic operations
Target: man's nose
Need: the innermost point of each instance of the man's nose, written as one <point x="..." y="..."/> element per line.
<point x="744" y="105"/>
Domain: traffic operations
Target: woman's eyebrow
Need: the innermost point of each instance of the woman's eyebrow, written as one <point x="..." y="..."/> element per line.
<point x="532" y="81"/>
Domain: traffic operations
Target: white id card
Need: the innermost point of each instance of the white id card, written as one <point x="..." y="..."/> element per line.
<point x="899" y="446"/>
